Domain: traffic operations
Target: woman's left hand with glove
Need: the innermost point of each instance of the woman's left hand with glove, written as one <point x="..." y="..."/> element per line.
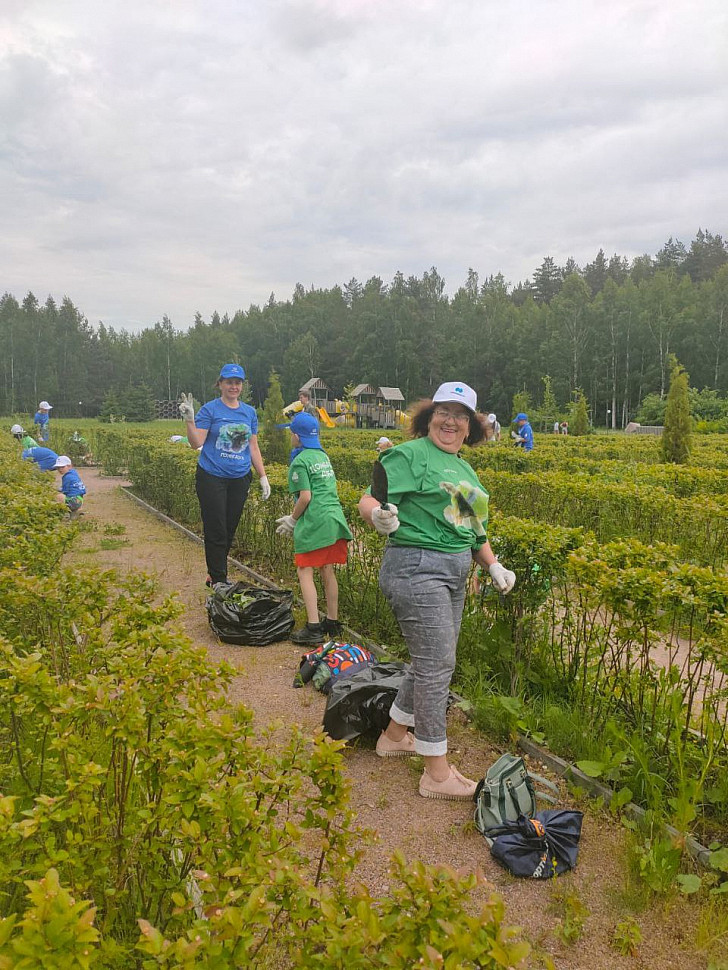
<point x="265" y="487"/>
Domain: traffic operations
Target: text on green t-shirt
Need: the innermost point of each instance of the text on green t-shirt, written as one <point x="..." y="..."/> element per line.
<point x="323" y="522"/>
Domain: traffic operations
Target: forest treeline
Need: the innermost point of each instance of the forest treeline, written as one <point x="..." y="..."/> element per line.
<point x="608" y="327"/>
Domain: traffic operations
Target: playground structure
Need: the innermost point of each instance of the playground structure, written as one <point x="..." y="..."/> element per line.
<point x="368" y="406"/>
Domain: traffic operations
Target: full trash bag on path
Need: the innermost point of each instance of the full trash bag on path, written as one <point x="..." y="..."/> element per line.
<point x="540" y="847"/>
<point x="248" y="615"/>
<point x="360" y="704"/>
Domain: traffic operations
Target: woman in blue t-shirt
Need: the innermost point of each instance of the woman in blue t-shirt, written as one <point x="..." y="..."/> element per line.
<point x="227" y="431"/>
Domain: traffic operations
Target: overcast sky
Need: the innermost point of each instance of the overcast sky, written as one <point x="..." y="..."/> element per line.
<point x="170" y="156"/>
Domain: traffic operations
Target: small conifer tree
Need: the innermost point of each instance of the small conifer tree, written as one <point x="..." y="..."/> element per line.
<point x="549" y="410"/>
<point x="678" y="423"/>
<point x="110" y="407"/>
<point x="274" y="443"/>
<point x="579" y="413"/>
<point x="521" y="402"/>
<point x="137" y="403"/>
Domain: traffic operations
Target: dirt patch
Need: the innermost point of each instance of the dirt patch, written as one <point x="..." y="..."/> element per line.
<point x="384" y="792"/>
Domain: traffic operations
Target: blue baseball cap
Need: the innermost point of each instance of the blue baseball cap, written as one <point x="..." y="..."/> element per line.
<point x="306" y="427"/>
<point x="521" y="416"/>
<point x="232" y="370"/>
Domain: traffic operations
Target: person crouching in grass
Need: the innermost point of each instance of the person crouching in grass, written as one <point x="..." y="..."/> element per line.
<point x="71" y="487"/>
<point x="319" y="529"/>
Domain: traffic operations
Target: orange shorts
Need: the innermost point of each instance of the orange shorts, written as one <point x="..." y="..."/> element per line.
<point x="335" y="553"/>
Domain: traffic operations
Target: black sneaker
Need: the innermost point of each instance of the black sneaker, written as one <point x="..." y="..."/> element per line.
<point x="311" y="633"/>
<point x="332" y="628"/>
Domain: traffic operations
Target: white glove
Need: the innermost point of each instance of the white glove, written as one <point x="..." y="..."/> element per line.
<point x="265" y="487"/>
<point x="286" y="524"/>
<point x="187" y="407"/>
<point x="503" y="579"/>
<point x="385" y="521"/>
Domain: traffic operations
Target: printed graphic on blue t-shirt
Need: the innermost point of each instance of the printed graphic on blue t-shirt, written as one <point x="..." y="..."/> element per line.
<point x="226" y="451"/>
<point x="71" y="484"/>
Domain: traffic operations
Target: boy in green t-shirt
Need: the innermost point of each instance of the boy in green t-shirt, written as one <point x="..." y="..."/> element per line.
<point x="319" y="529"/>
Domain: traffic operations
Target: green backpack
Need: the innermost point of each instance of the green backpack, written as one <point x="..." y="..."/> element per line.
<point x="506" y="792"/>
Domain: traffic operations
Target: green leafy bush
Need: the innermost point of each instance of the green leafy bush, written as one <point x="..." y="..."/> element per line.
<point x="146" y="822"/>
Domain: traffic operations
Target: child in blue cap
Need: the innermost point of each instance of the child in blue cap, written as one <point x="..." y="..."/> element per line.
<point x="319" y="529"/>
<point x="524" y="436"/>
<point x="42" y="420"/>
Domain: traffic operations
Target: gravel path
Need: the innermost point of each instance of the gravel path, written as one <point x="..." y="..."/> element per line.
<point x="384" y="792"/>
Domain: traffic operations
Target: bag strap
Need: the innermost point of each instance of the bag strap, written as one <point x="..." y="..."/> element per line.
<point x="545" y="782"/>
<point x="510" y="789"/>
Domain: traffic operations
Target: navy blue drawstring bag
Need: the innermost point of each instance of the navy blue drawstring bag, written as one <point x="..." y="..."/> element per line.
<point x="541" y="847"/>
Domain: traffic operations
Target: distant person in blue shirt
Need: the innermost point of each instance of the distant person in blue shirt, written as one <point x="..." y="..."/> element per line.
<point x="42" y="420"/>
<point x="71" y="487"/>
<point x="524" y="436"/>
<point x="44" y="458"/>
<point x="227" y="431"/>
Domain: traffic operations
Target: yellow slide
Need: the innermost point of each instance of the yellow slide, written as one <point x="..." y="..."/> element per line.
<point x="295" y="406"/>
<point x="325" y="419"/>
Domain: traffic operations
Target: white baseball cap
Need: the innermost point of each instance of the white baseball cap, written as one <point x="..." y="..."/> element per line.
<point x="384" y="441"/>
<point x="16" y="429"/>
<point x="45" y="404"/>
<point x="455" y="391"/>
<point x="492" y="418"/>
<point x="61" y="461"/>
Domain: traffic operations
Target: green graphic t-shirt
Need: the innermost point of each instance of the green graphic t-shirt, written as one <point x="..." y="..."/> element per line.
<point x="323" y="522"/>
<point x="428" y="487"/>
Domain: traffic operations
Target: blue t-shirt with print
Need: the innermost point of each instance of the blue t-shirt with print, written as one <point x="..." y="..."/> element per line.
<point x="226" y="451"/>
<point x="526" y="432"/>
<point x="41" y="418"/>
<point x="43" y="457"/>
<point x="71" y="484"/>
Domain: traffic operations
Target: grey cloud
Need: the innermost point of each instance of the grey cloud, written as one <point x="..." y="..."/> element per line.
<point x="174" y="157"/>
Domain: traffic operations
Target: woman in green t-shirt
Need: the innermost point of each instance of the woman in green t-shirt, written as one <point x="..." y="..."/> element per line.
<point x="436" y="521"/>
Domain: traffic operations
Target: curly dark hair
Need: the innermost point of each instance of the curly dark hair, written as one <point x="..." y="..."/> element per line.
<point x="421" y="415"/>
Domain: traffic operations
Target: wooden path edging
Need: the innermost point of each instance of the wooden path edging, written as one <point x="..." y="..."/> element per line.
<point x="260" y="579"/>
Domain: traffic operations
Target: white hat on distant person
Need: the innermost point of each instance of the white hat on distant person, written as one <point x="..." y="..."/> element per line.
<point x="384" y="441"/>
<point x="62" y="461"/>
<point x="17" y="429"/>
<point x="455" y="391"/>
<point x="46" y="405"/>
<point x="492" y="418"/>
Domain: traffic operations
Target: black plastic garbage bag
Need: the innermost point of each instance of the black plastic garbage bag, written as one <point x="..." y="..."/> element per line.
<point x="249" y="615"/>
<point x="540" y="847"/>
<point x="360" y="704"/>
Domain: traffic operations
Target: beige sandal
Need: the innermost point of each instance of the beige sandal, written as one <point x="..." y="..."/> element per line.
<point x="455" y="787"/>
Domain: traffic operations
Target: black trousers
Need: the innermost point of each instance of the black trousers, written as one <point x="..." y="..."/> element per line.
<point x="221" y="505"/>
